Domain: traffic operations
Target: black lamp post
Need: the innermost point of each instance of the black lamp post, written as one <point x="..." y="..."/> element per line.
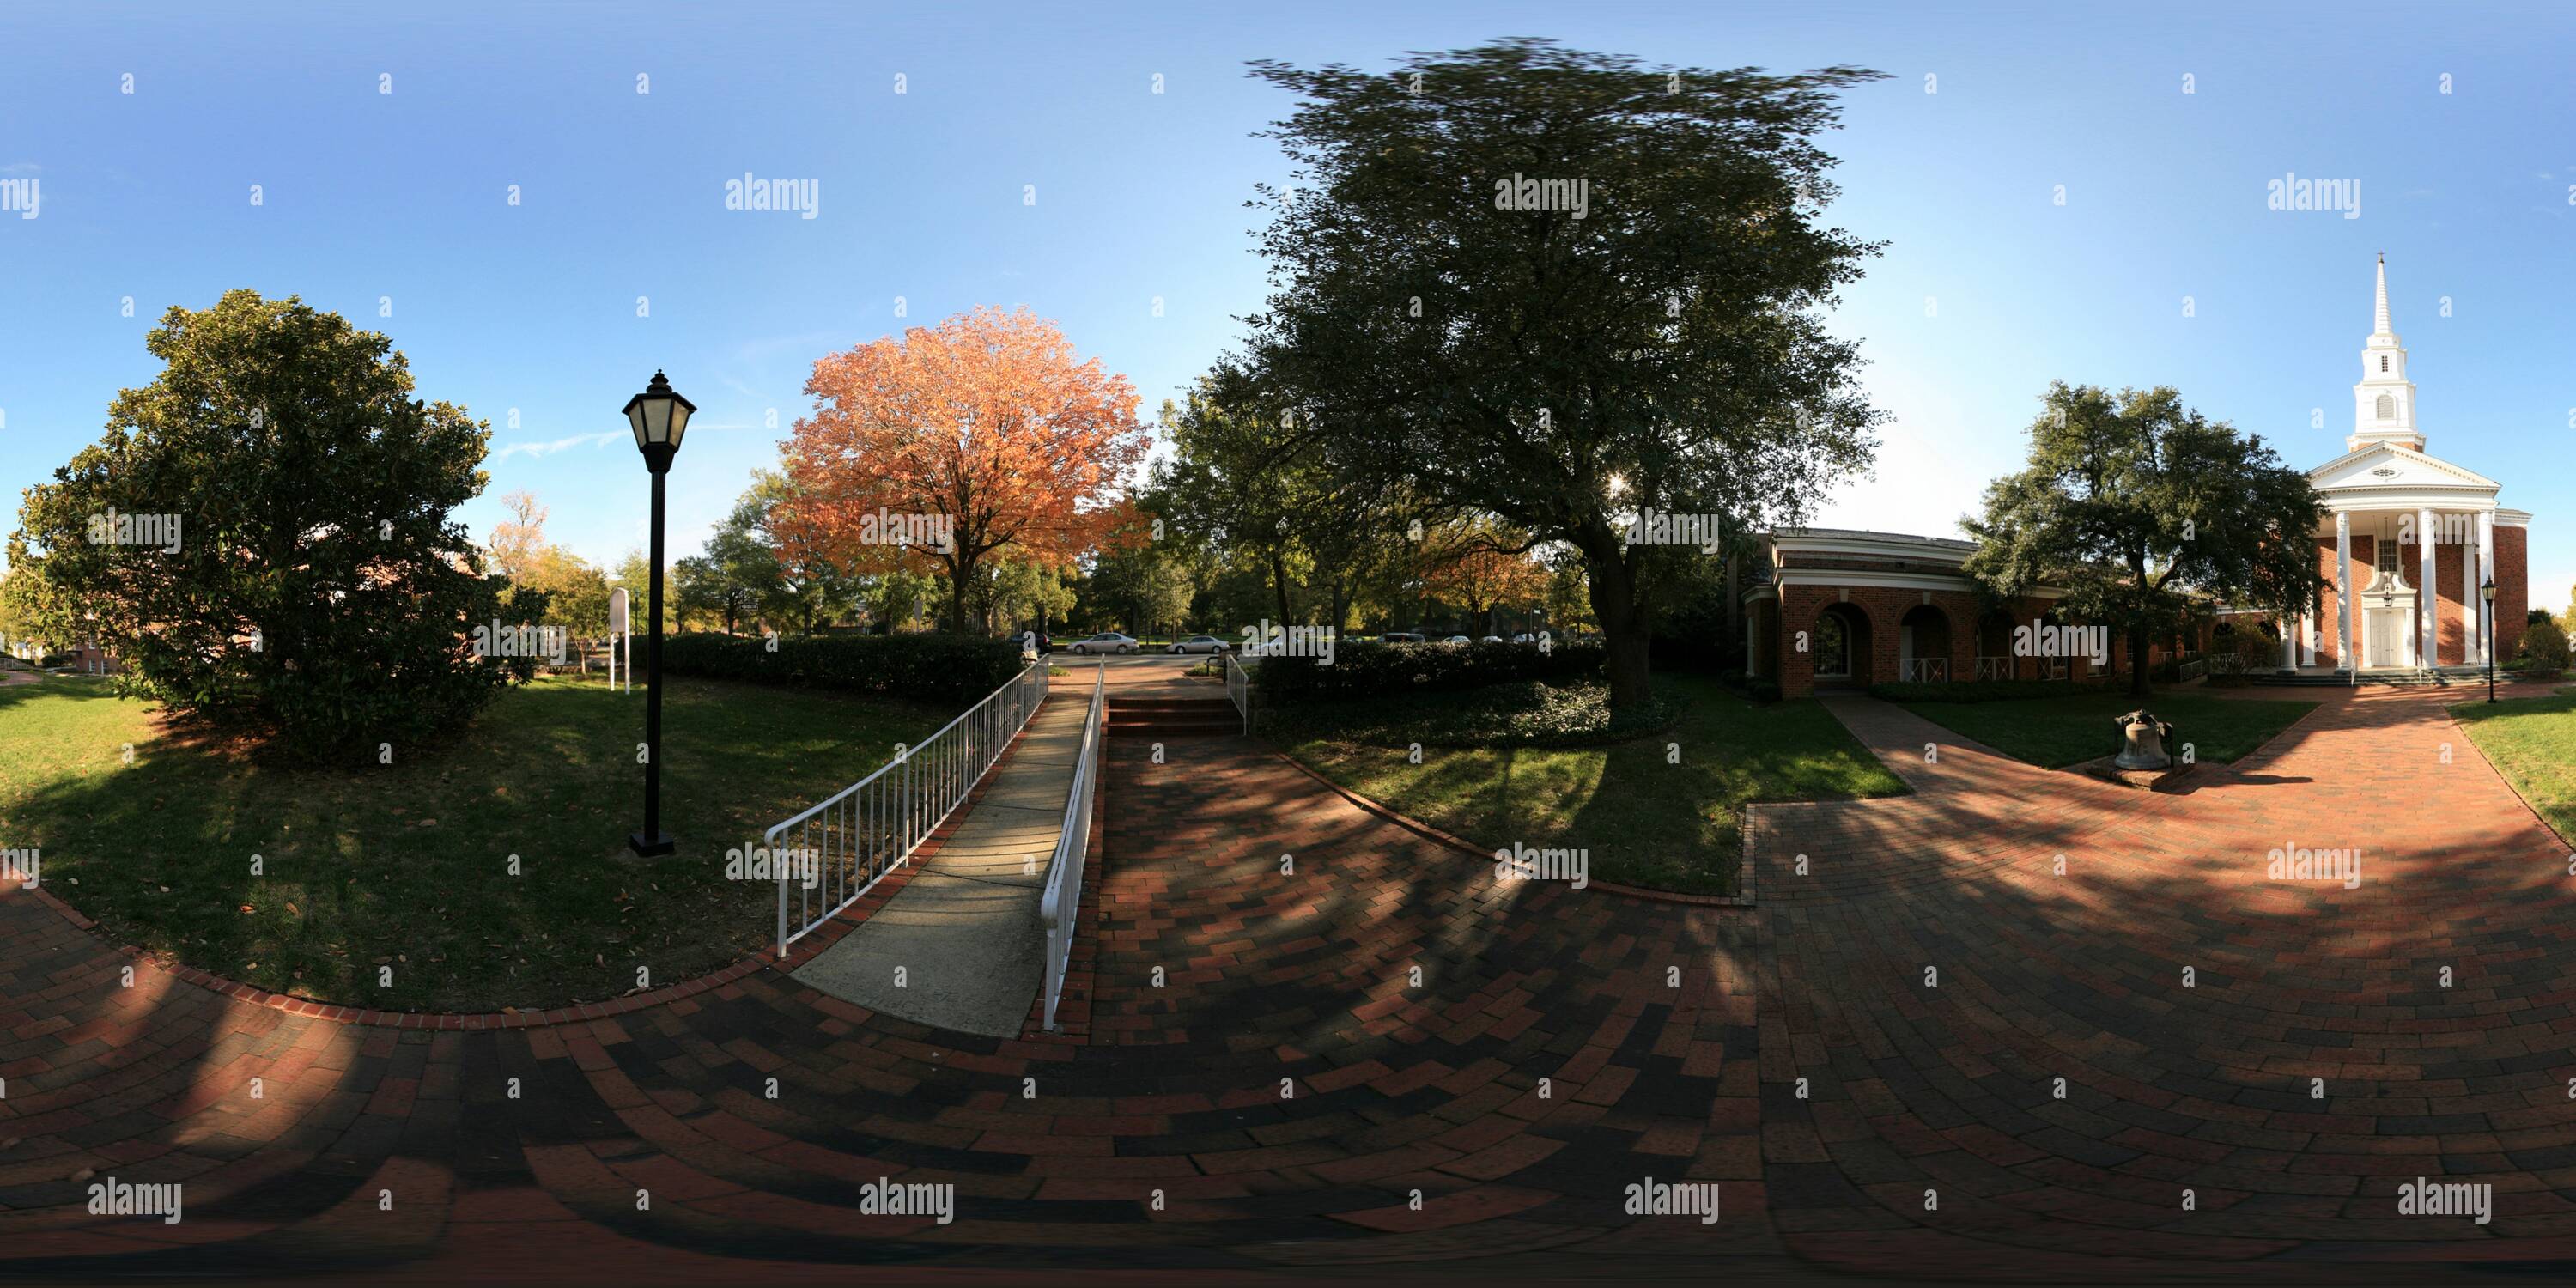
<point x="659" y="418"/>
<point x="2487" y="619"/>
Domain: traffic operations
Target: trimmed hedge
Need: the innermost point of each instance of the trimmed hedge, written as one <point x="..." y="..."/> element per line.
<point x="1983" y="690"/>
<point x="1373" y="668"/>
<point x="947" y="669"/>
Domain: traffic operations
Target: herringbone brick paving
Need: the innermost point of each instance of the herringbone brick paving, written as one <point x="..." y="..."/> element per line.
<point x="1261" y="1054"/>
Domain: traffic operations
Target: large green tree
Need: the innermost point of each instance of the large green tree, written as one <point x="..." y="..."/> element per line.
<point x="1559" y="288"/>
<point x="2140" y="509"/>
<point x="314" y="584"/>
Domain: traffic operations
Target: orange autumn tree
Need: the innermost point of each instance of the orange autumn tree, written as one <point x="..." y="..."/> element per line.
<point x="1481" y="565"/>
<point x="987" y="426"/>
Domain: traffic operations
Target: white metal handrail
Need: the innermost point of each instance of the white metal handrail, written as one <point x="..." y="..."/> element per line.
<point x="845" y="844"/>
<point x="1060" y="906"/>
<point x="1238" y="686"/>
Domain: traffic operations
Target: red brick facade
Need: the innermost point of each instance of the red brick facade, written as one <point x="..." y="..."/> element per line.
<point x="1876" y="616"/>
<point x="2512" y="553"/>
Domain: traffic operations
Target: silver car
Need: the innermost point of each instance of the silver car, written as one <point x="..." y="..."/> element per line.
<point x="1106" y="642"/>
<point x="1200" y="644"/>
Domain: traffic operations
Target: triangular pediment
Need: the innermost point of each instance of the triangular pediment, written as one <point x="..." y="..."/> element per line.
<point x="2388" y="467"/>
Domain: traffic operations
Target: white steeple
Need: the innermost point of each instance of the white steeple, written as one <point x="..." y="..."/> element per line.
<point x="2383" y="404"/>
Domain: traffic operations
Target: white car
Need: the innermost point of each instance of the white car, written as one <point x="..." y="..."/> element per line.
<point x="1457" y="639"/>
<point x="1492" y="639"/>
<point x="1200" y="644"/>
<point x="1106" y="642"/>
<point x="1524" y="638"/>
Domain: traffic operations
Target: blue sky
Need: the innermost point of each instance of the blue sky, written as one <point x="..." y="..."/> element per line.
<point x="1988" y="289"/>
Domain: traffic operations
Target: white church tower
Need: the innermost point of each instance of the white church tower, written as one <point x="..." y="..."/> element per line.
<point x="2383" y="404"/>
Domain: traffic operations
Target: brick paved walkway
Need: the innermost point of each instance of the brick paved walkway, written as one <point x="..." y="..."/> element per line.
<point x="1670" y="1039"/>
<point x="1950" y="1088"/>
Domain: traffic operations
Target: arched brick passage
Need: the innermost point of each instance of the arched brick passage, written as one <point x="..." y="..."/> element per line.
<point x="1842" y="647"/>
<point x="1923" y="644"/>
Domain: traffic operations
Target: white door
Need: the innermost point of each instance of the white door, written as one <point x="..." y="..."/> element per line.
<point x="2382" y="647"/>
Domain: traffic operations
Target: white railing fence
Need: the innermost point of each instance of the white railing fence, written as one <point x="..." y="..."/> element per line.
<point x="1059" y="907"/>
<point x="863" y="831"/>
<point x="1238" y="686"/>
<point x="1994" y="668"/>
<point x="1924" y="670"/>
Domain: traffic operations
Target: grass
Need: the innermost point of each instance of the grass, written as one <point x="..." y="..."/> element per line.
<point x="2532" y="742"/>
<point x="1642" y="820"/>
<point x="408" y="865"/>
<point x="1526" y="713"/>
<point x="2077" y="727"/>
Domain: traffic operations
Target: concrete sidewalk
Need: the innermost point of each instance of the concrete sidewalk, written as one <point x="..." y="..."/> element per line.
<point x="965" y="930"/>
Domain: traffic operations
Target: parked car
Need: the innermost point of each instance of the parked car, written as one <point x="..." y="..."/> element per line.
<point x="1200" y="644"/>
<point x="1402" y="637"/>
<point x="1457" y="639"/>
<point x="1106" y="642"/>
<point x="1525" y="638"/>
<point x="1493" y="639"/>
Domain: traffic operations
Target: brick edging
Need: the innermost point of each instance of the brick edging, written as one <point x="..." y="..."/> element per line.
<point x="894" y="879"/>
<point x="1744" y="870"/>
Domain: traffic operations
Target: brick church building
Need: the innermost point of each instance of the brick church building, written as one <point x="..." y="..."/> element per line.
<point x="2408" y="543"/>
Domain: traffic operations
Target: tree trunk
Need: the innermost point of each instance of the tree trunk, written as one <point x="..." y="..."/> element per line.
<point x="1624" y="629"/>
<point x="961" y="568"/>
<point x="1279" y="583"/>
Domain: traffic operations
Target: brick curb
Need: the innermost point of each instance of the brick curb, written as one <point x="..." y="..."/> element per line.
<point x="1744" y="870"/>
<point x="804" y="951"/>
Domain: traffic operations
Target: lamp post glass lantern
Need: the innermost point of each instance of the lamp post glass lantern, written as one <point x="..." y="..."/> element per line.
<point x="660" y="419"/>
<point x="2487" y="619"/>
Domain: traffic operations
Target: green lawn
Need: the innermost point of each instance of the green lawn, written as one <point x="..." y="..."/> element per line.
<point x="1643" y="821"/>
<point x="2061" y="731"/>
<point x="407" y="865"/>
<point x="2532" y="742"/>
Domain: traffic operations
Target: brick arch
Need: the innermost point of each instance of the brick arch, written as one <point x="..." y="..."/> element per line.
<point x="1934" y="636"/>
<point x="1860" y="646"/>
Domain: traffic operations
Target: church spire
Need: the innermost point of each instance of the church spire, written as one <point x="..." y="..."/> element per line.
<point x="2379" y="320"/>
<point x="2384" y="401"/>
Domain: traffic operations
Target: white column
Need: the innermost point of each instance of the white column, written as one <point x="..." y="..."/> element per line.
<point x="2343" y="591"/>
<point x="2308" y="638"/>
<point x="2289" y="643"/>
<point x="2469" y="637"/>
<point x="2428" y="599"/>
<point x="2486" y="565"/>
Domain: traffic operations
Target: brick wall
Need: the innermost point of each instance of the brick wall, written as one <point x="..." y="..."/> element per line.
<point x="2513" y="592"/>
<point x="1880" y="612"/>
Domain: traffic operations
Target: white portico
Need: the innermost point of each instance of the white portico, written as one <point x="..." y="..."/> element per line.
<point x="2411" y="539"/>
